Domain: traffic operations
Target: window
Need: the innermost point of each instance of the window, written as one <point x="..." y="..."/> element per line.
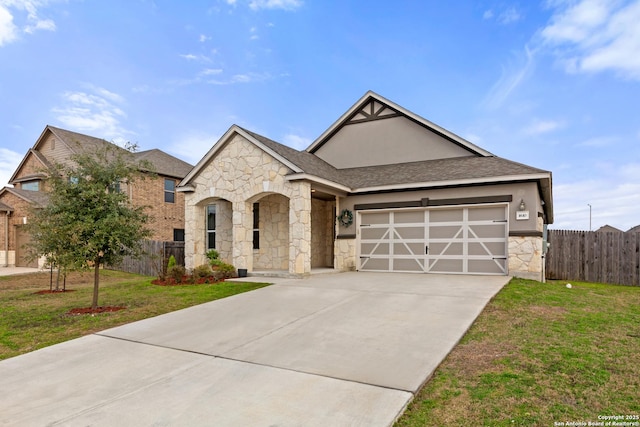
<point x="178" y="234"/>
<point x="115" y="187"/>
<point x="211" y="227"/>
<point x="256" y="226"/>
<point x="30" y="185"/>
<point x="169" y="191"/>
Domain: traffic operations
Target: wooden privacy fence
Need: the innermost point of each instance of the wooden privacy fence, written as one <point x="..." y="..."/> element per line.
<point x="593" y="256"/>
<point x="155" y="258"/>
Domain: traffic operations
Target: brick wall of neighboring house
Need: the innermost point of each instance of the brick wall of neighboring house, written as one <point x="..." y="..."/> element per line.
<point x="20" y="211"/>
<point x="165" y="216"/>
<point x="31" y="166"/>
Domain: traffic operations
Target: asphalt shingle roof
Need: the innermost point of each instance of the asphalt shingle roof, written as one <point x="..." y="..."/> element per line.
<point x="37" y="197"/>
<point x="452" y="169"/>
<point x="163" y="163"/>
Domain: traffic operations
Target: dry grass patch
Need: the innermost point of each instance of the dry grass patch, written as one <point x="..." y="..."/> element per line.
<point x="540" y="354"/>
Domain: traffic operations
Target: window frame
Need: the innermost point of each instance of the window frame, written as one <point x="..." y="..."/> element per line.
<point x="256" y="226"/>
<point x="210" y="233"/>
<point x="170" y="192"/>
<point x="35" y="182"/>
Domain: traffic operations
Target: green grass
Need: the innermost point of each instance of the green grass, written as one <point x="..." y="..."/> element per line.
<point x="540" y="354"/>
<point x="29" y="321"/>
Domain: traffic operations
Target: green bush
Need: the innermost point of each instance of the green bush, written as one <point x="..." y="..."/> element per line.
<point x="212" y="254"/>
<point x="172" y="262"/>
<point x="224" y="271"/>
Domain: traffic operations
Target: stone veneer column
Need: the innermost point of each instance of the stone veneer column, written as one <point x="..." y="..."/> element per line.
<point x="300" y="231"/>
<point x="242" y="232"/>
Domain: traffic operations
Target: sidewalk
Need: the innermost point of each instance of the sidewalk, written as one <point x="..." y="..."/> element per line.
<point x="10" y="271"/>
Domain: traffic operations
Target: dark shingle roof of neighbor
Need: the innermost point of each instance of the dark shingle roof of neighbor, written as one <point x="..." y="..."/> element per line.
<point x="36" y="197"/>
<point x="163" y="163"/>
<point x="452" y="169"/>
<point x="5" y="208"/>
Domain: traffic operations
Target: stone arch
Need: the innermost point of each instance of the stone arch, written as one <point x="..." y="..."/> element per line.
<point x="223" y="234"/>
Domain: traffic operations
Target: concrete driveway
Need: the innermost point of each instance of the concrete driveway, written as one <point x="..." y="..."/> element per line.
<point x="338" y="349"/>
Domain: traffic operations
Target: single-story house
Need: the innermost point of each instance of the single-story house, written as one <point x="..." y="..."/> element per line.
<point x="382" y="189"/>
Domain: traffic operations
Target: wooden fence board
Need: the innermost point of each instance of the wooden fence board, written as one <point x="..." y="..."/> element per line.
<point x="154" y="259"/>
<point x="605" y="257"/>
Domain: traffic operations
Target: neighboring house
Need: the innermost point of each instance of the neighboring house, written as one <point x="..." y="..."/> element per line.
<point x="608" y="229"/>
<point x="55" y="145"/>
<point x="635" y="229"/>
<point x="381" y="190"/>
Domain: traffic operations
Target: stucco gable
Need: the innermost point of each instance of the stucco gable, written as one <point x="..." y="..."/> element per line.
<point x="376" y="131"/>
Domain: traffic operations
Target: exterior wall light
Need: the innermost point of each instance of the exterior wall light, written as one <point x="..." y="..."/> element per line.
<point x="523" y="206"/>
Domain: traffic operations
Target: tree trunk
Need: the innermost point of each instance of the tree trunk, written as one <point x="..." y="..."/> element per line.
<point x="96" y="282"/>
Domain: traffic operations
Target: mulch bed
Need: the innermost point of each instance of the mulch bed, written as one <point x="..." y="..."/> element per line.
<point x="185" y="281"/>
<point x="53" y="291"/>
<point x="97" y="310"/>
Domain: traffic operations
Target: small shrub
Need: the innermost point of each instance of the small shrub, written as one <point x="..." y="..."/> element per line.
<point x="177" y="272"/>
<point x="202" y="271"/>
<point x="225" y="270"/>
<point x="212" y="254"/>
<point x="172" y="262"/>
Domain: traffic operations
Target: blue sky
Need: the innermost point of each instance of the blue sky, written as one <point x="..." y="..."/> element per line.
<point x="553" y="84"/>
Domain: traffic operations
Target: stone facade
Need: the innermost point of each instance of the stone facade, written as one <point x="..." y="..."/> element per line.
<point x="241" y="174"/>
<point x="345" y="254"/>
<point x="525" y="257"/>
<point x="273" y="229"/>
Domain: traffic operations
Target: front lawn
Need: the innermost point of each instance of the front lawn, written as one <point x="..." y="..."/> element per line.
<point x="541" y="355"/>
<point x="29" y="321"/>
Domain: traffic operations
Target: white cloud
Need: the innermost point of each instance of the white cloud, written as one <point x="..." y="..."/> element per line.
<point x="296" y="141"/>
<point x="275" y="4"/>
<point x="597" y="35"/>
<point x="210" y="71"/>
<point x="191" y="148"/>
<point x="9" y="161"/>
<point x="242" y="78"/>
<point x="543" y="126"/>
<point x="40" y="24"/>
<point x="95" y="112"/>
<point x="203" y="38"/>
<point x="193" y="57"/>
<point x="505" y="17"/>
<point x="8" y="30"/>
<point x="512" y="77"/>
<point x="13" y="10"/>
<point x="509" y="16"/>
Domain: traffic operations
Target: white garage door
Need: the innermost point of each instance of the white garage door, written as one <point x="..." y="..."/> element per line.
<point x="469" y="240"/>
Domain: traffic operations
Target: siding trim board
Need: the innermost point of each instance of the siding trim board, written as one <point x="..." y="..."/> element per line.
<point x="426" y="202"/>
